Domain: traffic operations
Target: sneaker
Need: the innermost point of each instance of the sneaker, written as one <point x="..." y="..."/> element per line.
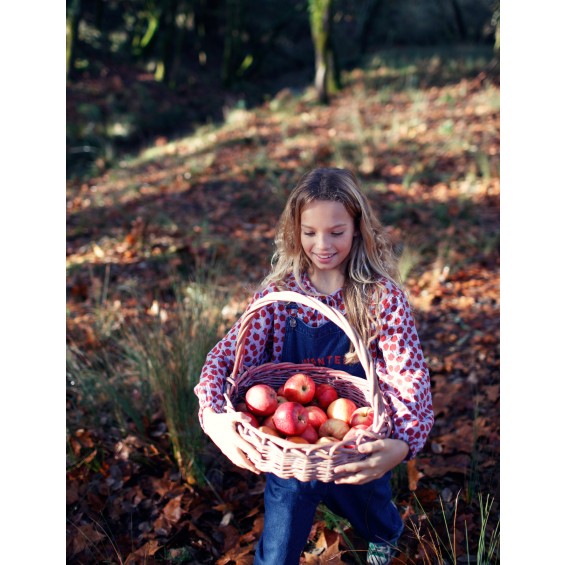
<point x="379" y="553"/>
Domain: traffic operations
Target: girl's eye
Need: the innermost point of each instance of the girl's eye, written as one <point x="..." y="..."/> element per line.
<point x="311" y="233"/>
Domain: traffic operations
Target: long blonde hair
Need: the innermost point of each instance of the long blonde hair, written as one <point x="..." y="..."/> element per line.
<point x="371" y="254"/>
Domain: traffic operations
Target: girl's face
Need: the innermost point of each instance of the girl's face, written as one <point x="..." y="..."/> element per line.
<point x="326" y="235"/>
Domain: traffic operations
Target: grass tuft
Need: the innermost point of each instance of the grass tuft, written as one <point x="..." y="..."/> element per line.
<point x="439" y="540"/>
<point x="148" y="368"/>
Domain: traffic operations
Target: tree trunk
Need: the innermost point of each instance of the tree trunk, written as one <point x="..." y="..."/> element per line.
<point x="496" y="23"/>
<point x="367" y="16"/>
<point x="167" y="31"/>
<point x="73" y="20"/>
<point x="206" y="24"/>
<point x="232" y="43"/>
<point x="459" y="20"/>
<point x="334" y="69"/>
<point x="144" y="34"/>
<point x="326" y="80"/>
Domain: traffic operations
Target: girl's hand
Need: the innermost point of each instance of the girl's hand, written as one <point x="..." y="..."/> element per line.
<point x="220" y="427"/>
<point x="384" y="455"/>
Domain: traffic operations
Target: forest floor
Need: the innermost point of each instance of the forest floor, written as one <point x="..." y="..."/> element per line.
<point x="424" y="140"/>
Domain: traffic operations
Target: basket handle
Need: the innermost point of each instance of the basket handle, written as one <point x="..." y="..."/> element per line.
<point x="332" y="314"/>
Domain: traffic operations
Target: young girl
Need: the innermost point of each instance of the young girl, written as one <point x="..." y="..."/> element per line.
<point x="330" y="245"/>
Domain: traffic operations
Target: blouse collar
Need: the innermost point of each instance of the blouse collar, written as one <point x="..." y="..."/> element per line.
<point x="334" y="299"/>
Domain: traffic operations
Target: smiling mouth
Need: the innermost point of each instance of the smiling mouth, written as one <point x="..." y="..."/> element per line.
<point x="324" y="257"/>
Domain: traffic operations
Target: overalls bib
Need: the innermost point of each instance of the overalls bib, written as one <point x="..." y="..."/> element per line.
<point x="290" y="504"/>
<point x="325" y="345"/>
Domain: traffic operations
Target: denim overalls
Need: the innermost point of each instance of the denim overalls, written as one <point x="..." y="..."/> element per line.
<point x="290" y="504"/>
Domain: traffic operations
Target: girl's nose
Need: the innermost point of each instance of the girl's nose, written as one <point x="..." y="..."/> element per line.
<point x="323" y="242"/>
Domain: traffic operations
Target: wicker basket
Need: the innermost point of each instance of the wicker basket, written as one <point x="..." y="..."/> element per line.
<point x="306" y="462"/>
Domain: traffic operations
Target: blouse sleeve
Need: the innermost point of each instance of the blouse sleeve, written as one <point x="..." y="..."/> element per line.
<point x="402" y="370"/>
<point x="220" y="360"/>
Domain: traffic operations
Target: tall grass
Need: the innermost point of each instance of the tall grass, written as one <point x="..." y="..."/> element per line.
<point x="438" y="536"/>
<point x="410" y="258"/>
<point x="151" y="364"/>
<point x="337" y="523"/>
<point x="170" y="358"/>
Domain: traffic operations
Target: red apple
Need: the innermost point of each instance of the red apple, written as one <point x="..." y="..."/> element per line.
<point x="253" y="420"/>
<point x="351" y="434"/>
<point x="297" y="439"/>
<point x="327" y="439"/>
<point x="310" y="434"/>
<point x="269" y="431"/>
<point x="355" y="431"/>
<point x="316" y="416"/>
<point x="299" y="388"/>
<point x="280" y="390"/>
<point x="334" y="427"/>
<point x="342" y="409"/>
<point x="291" y="418"/>
<point x="268" y="421"/>
<point x="261" y="400"/>
<point x="325" y="394"/>
<point x="364" y="415"/>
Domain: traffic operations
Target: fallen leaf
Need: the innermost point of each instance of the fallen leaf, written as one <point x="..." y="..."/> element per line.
<point x="237" y="556"/>
<point x="72" y="492"/>
<point x="85" y="536"/>
<point x="140" y="555"/>
<point x="231" y="536"/>
<point x="332" y="555"/>
<point x="172" y="510"/>
<point x="413" y="474"/>
<point x="255" y="531"/>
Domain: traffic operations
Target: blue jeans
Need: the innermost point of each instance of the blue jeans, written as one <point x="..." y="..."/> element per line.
<point x="290" y="506"/>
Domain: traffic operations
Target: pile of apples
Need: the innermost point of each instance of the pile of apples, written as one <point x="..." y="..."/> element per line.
<point x="302" y="411"/>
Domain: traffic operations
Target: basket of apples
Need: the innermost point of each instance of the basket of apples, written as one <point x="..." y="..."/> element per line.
<point x="305" y="420"/>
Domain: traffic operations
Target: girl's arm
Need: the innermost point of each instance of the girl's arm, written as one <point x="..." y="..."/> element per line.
<point x="219" y="364"/>
<point x="405" y="384"/>
<point x="220" y="360"/>
<point x="402" y="371"/>
<point x="221" y="428"/>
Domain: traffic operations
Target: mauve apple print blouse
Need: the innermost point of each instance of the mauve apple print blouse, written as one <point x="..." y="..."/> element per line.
<point x="400" y="365"/>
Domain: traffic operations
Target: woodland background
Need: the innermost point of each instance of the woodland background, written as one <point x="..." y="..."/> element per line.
<point x="188" y="122"/>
